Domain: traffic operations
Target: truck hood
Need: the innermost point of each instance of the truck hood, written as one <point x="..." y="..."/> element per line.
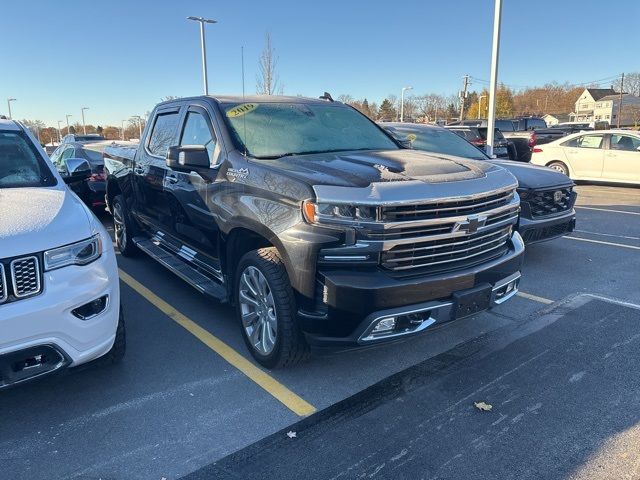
<point x="533" y="176"/>
<point x="37" y="219"/>
<point x="361" y="169"/>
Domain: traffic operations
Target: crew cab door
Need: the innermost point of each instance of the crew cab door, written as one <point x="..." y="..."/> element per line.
<point x="150" y="170"/>
<point x="622" y="158"/>
<point x="585" y="155"/>
<point x="187" y="189"/>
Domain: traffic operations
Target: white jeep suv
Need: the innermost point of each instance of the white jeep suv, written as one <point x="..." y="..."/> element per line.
<point x="59" y="289"/>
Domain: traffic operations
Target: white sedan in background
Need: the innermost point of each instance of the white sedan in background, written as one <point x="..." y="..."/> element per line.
<point x="605" y="155"/>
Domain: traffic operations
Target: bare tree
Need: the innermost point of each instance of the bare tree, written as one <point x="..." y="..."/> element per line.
<point x="267" y="80"/>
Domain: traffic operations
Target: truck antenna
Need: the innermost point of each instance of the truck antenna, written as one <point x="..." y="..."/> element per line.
<point x="244" y="120"/>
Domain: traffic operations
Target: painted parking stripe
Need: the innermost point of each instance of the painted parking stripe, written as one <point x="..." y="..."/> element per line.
<point x="293" y="402"/>
<point x="621" y="245"/>
<point x="535" y="298"/>
<point x="608" y="210"/>
<point x="626" y="237"/>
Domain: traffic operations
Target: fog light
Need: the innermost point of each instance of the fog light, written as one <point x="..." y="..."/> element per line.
<point x="91" y="309"/>
<point x="385" y="325"/>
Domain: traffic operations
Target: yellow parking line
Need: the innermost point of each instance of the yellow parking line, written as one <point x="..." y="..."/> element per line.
<point x="535" y="298"/>
<point x="281" y="393"/>
<point x="622" y="245"/>
<point x="608" y="210"/>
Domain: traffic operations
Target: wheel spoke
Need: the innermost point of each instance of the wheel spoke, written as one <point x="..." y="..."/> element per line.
<point x="249" y="319"/>
<point x="254" y="335"/>
<point x="247" y="299"/>
<point x="247" y="281"/>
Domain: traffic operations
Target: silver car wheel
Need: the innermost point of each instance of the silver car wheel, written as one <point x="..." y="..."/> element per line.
<point x="258" y="310"/>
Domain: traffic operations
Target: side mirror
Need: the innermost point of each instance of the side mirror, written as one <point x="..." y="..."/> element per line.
<point x="77" y="169"/>
<point x="188" y="156"/>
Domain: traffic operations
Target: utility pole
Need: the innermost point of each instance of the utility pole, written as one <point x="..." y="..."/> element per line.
<point x="620" y="101"/>
<point x="463" y="96"/>
<point x="493" y="80"/>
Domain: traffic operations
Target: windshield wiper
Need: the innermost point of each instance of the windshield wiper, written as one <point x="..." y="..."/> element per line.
<point x="308" y="152"/>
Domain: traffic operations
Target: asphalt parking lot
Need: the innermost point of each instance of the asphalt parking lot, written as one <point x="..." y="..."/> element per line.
<point x="188" y="399"/>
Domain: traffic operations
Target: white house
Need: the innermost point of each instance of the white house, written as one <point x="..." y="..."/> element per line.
<point x="556" y="118"/>
<point x="601" y="104"/>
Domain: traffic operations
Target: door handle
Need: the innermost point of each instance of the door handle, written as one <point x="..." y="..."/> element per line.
<point x="138" y="169"/>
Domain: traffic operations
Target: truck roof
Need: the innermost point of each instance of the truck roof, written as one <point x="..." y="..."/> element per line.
<point x="6" y="124"/>
<point x="255" y="98"/>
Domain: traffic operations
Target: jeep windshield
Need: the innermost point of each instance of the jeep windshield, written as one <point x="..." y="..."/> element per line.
<point x="21" y="165"/>
<point x="273" y="130"/>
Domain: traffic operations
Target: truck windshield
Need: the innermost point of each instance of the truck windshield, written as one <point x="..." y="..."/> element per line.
<point x="438" y="140"/>
<point x="20" y="163"/>
<point x="274" y="130"/>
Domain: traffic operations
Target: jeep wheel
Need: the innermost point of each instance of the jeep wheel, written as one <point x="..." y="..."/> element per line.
<point x="122" y="228"/>
<point x="266" y="310"/>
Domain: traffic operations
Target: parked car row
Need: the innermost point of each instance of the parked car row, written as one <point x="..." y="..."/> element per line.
<point x="320" y="227"/>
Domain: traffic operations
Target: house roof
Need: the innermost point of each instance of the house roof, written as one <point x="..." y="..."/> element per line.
<point x="558" y="116"/>
<point x="617" y="96"/>
<point x="599" y="93"/>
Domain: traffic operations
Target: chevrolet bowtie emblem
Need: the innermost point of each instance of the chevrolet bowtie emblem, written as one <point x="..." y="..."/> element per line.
<point x="471" y="224"/>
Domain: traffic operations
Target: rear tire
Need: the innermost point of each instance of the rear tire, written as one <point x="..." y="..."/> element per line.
<point x="266" y="310"/>
<point x="559" y="167"/>
<point x="123" y="228"/>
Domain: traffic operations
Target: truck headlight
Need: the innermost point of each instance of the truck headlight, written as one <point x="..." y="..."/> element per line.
<point x="80" y="253"/>
<point x="338" y="213"/>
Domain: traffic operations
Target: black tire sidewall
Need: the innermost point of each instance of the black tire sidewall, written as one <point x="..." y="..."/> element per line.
<point x="130" y="248"/>
<point x="283" y="301"/>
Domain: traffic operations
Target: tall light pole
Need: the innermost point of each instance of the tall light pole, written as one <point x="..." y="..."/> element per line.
<point x="202" y="21"/>
<point x="9" y="100"/>
<point x="59" y="134"/>
<point x="402" y="102"/>
<point x="68" y="123"/>
<point x="84" y="127"/>
<point x="493" y="85"/>
<point x="122" y="129"/>
<point x="480" y="104"/>
<point x="139" y="125"/>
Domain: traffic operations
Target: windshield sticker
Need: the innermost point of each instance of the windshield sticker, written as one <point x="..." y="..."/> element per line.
<point x="240" y="110"/>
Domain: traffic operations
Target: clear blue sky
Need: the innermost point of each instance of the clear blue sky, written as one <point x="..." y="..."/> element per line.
<point x="120" y="57"/>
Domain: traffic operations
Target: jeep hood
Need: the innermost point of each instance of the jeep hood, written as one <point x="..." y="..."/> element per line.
<point x="37" y="219"/>
<point x="534" y="176"/>
<point x="361" y="169"/>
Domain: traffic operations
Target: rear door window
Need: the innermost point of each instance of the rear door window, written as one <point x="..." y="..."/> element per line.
<point x="163" y="134"/>
<point x="625" y="143"/>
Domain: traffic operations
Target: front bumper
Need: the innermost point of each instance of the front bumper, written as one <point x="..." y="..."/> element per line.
<point x="44" y="325"/>
<point x="355" y="300"/>
<point x="546" y="228"/>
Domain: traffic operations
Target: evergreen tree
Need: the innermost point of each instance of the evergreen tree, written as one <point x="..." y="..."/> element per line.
<point x="387" y="112"/>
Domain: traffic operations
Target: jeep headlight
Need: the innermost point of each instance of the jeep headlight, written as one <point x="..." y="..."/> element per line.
<point x="337" y="213"/>
<point x="80" y="253"/>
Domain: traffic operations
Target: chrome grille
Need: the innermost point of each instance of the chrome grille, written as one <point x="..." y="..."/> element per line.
<point x="543" y="203"/>
<point x="25" y="276"/>
<point x="451" y="252"/>
<point x="446" y="208"/>
<point x="3" y="285"/>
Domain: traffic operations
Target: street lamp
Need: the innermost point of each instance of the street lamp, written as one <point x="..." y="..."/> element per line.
<point x="84" y="127"/>
<point x="9" y="100"/>
<point x="480" y="104"/>
<point x="122" y="129"/>
<point x="402" y="102"/>
<point x="202" y="21"/>
<point x="59" y="134"/>
<point x="68" y="122"/>
<point x="139" y="125"/>
<point x="493" y="80"/>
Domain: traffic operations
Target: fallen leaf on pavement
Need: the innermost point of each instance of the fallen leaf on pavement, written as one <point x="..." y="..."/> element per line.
<point x="485" y="407"/>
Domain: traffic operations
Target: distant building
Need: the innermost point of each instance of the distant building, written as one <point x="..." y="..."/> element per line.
<point x="601" y="105"/>
<point x="556" y="118"/>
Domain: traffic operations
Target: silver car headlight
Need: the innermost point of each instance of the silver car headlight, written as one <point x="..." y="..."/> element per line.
<point x="80" y="253"/>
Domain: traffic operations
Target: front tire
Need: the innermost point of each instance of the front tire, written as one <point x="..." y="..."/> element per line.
<point x="266" y="310"/>
<point x="122" y="228"/>
<point x="559" y="167"/>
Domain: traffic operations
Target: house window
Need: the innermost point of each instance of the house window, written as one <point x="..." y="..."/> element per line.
<point x="598" y="105"/>
<point x="606" y="117"/>
<point x="584" y="106"/>
<point x="614" y="115"/>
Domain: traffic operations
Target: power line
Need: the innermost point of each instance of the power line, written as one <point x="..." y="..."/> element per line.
<point x="603" y="81"/>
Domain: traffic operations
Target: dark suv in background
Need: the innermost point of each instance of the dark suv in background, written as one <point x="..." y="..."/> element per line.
<point x="477" y="136"/>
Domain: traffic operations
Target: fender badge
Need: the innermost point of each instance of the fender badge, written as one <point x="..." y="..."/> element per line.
<point x="237" y="174"/>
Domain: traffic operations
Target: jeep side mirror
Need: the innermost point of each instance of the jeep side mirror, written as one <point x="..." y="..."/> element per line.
<point x="187" y="156"/>
<point x="76" y="169"/>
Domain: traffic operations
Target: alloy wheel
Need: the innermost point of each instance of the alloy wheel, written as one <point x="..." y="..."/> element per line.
<point x="258" y="310"/>
<point x="119" y="226"/>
